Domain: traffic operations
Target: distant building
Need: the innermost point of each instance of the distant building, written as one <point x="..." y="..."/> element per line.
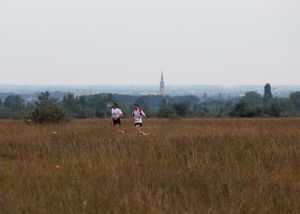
<point x="31" y="100"/>
<point x="84" y="93"/>
<point x="162" y="85"/>
<point x="268" y="93"/>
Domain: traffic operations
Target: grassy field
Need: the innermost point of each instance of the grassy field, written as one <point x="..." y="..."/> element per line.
<point x="184" y="166"/>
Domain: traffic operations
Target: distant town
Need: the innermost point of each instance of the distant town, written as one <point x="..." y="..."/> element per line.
<point x="31" y="92"/>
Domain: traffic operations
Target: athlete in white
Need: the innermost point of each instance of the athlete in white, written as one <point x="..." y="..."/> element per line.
<point x="137" y="117"/>
<point x="116" y="115"/>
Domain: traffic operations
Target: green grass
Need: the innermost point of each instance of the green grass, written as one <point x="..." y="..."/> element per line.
<point x="185" y="166"/>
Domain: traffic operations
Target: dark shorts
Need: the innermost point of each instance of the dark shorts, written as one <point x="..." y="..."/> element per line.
<point x="117" y="122"/>
<point x="138" y="124"/>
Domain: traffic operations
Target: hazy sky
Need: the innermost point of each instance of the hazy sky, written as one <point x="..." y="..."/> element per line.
<point x="223" y="42"/>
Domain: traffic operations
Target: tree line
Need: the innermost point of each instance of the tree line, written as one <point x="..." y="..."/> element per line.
<point x="48" y="109"/>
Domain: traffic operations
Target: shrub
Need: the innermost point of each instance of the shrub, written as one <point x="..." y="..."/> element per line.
<point x="243" y="109"/>
<point x="181" y="108"/>
<point x="167" y="112"/>
<point x="47" y="110"/>
<point x="4" y="113"/>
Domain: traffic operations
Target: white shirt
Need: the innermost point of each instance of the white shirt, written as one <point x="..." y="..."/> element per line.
<point x="116" y="113"/>
<point x="137" y="116"/>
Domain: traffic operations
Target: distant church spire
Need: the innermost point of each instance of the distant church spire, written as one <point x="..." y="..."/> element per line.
<point x="162" y="85"/>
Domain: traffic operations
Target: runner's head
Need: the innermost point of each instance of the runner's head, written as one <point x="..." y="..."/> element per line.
<point x="114" y="105"/>
<point x="136" y="106"/>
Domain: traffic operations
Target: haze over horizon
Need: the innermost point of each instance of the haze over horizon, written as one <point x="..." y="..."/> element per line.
<point x="72" y="42"/>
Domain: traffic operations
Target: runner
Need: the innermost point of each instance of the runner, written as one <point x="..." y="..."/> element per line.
<point x="116" y="115"/>
<point x="137" y="116"/>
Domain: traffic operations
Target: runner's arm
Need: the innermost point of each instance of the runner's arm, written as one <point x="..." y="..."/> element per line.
<point x="143" y="114"/>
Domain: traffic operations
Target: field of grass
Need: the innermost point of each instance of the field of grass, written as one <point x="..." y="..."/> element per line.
<point x="184" y="166"/>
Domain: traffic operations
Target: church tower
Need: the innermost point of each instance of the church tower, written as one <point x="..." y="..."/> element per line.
<point x="162" y="85"/>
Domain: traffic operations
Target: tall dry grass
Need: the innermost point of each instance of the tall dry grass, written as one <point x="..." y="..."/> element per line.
<point x="186" y="166"/>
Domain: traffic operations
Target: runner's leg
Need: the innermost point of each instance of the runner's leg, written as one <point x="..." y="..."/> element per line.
<point x="139" y="131"/>
<point x="119" y="129"/>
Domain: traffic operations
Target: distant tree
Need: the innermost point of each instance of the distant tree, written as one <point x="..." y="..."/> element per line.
<point x="204" y="97"/>
<point x="286" y="107"/>
<point x="70" y="102"/>
<point x="110" y="97"/>
<point x="86" y="112"/>
<point x="253" y="98"/>
<point x="87" y="106"/>
<point x="152" y="101"/>
<point x="164" y="103"/>
<point x="29" y="108"/>
<point x="4" y="113"/>
<point x="193" y="100"/>
<point x="244" y="109"/>
<point x="217" y="108"/>
<point x="47" y="110"/>
<point x="14" y="103"/>
<point x="295" y="101"/>
<point x="181" y="108"/>
<point x="99" y="103"/>
<point x="99" y="112"/>
<point x="149" y="111"/>
<point x="82" y="101"/>
<point x="272" y="108"/>
<point x="167" y="112"/>
<point x="71" y="105"/>
<point x="124" y="99"/>
<point x="275" y="108"/>
<point x="268" y="93"/>
<point x="200" y="110"/>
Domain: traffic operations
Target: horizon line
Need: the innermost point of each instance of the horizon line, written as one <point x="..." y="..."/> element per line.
<point x="132" y="85"/>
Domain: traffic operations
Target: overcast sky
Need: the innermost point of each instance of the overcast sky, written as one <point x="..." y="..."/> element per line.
<point x="225" y="42"/>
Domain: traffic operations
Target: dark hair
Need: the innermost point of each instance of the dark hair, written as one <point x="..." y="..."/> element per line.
<point x="115" y="104"/>
<point x="136" y="104"/>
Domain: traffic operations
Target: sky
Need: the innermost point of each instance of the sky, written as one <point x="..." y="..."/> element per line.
<point x="212" y="42"/>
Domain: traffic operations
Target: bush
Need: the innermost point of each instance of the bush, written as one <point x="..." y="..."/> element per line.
<point x="243" y="109"/>
<point x="181" y="108"/>
<point x="86" y="112"/>
<point x="201" y="111"/>
<point x="4" y="113"/>
<point x="167" y="112"/>
<point x="47" y="110"/>
<point x="295" y="100"/>
<point x="275" y="110"/>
